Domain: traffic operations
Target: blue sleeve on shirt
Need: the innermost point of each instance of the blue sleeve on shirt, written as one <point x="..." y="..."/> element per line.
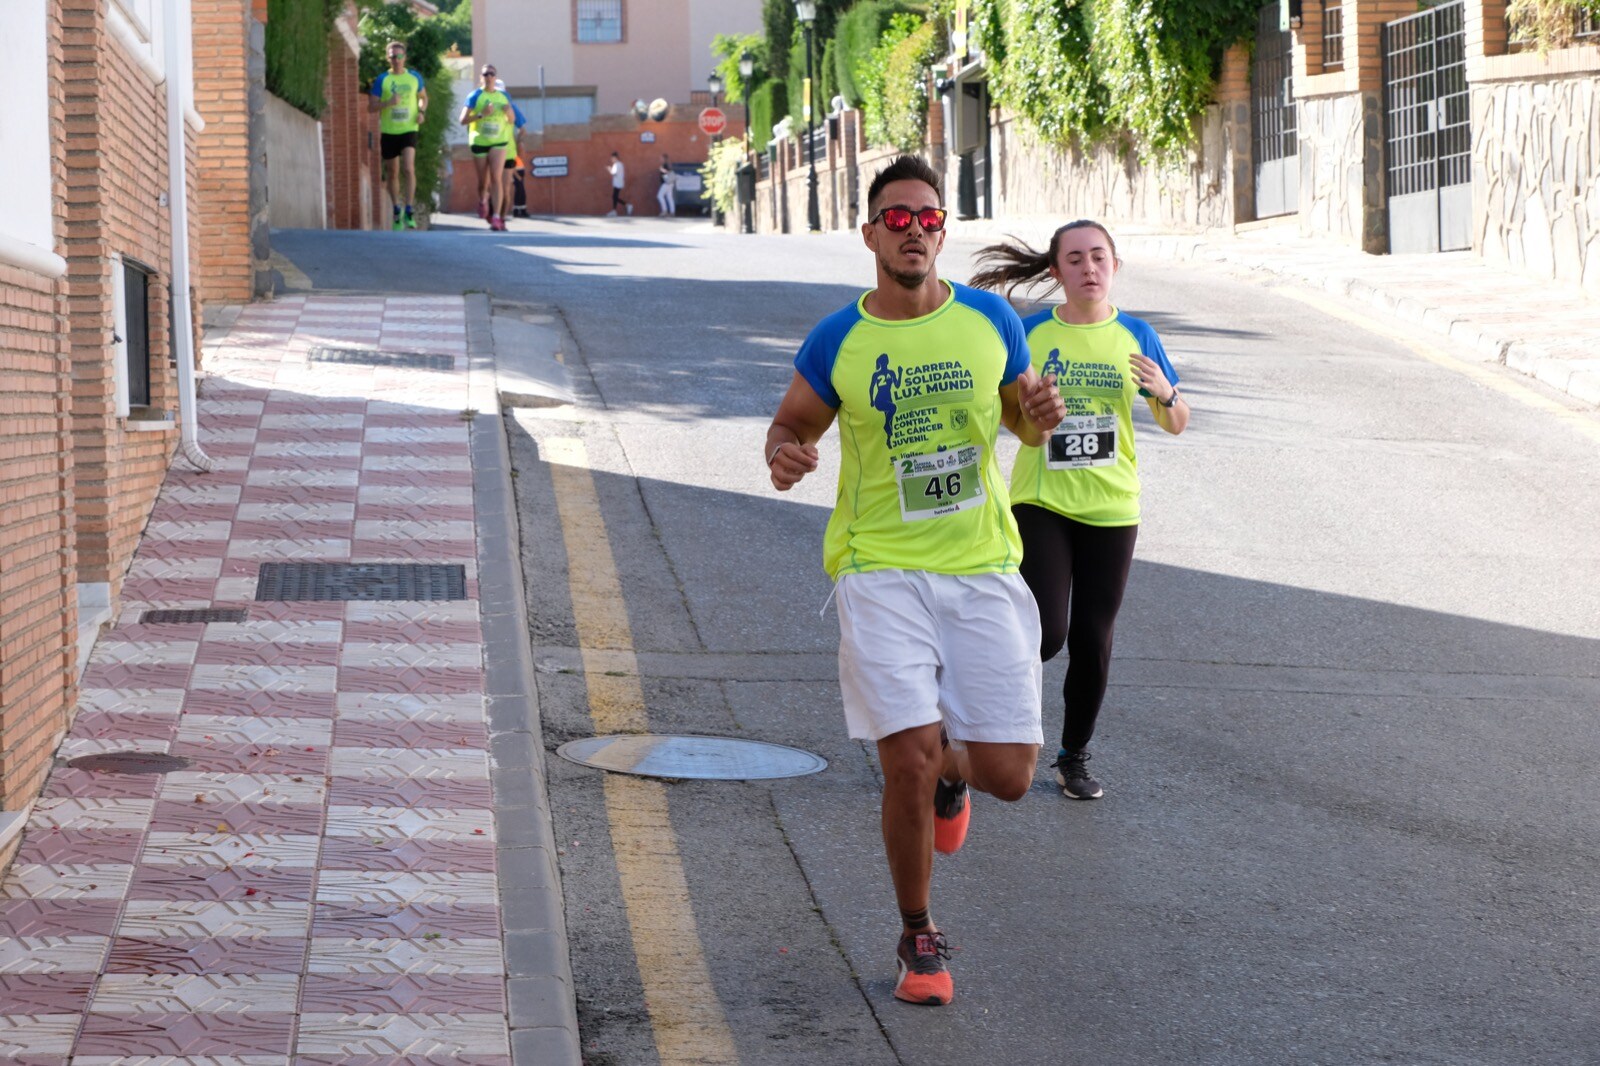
<point x="821" y="350"/>
<point x="472" y="98"/>
<point x="377" y="84"/>
<point x="517" y="111"/>
<point x="1149" y="344"/>
<point x="422" y="83"/>
<point x="1006" y="323"/>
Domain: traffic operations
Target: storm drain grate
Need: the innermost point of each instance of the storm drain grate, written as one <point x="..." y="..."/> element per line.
<point x="362" y="581"/>
<point x="368" y="357"/>
<point x="129" y="762"/>
<point x="207" y="615"/>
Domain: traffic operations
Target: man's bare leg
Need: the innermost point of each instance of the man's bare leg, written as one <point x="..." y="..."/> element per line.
<point x="910" y="761"/>
<point x="1004" y="771"/>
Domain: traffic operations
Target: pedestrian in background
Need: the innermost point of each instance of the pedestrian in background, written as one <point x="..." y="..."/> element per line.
<point x="666" y="194"/>
<point x="400" y="96"/>
<point x="513" y="156"/>
<point x="1076" y="498"/>
<point x="488" y="116"/>
<point x="619" y="178"/>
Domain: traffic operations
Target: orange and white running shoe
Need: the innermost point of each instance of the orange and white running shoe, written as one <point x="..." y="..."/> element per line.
<point x="952" y="810"/>
<point x="924" y="978"/>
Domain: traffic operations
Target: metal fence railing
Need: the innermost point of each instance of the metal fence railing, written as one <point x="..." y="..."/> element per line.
<point x="1332" y="37"/>
<point x="1426" y="102"/>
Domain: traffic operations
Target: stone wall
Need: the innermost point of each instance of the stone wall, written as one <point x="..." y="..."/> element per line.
<point x="1108" y="182"/>
<point x="1332" y="172"/>
<point x="1536" y="177"/>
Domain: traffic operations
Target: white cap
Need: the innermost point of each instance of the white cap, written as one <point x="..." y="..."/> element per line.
<point x="499" y="86"/>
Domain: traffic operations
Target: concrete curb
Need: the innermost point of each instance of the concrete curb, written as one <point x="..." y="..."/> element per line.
<point x="543" y="1007"/>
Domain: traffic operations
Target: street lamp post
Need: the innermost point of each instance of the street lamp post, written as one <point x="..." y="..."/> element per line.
<point x="714" y="83"/>
<point x="747" y="207"/>
<point x="807" y="12"/>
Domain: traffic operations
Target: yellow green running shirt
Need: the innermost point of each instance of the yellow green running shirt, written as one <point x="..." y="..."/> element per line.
<point x="1088" y="469"/>
<point x="404" y="87"/>
<point x="918" y="409"/>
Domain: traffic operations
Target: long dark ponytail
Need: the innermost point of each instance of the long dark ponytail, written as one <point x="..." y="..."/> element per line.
<point x="1011" y="265"/>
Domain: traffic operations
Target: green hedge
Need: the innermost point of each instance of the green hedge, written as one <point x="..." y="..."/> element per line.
<point x="297" y="51"/>
<point x="857" y="34"/>
<point x="768" y="104"/>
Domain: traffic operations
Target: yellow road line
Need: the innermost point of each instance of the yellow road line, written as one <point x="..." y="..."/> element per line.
<point x="685" y="1015"/>
<point x="1479" y="372"/>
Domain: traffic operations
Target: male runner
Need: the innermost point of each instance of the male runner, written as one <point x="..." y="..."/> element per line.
<point x="938" y="634"/>
<point x="400" y="96"/>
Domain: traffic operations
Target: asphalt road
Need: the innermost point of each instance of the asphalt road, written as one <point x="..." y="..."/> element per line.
<point x="1348" y="748"/>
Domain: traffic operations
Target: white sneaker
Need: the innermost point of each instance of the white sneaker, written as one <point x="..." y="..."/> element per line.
<point x="630" y="209"/>
<point x="612" y="213"/>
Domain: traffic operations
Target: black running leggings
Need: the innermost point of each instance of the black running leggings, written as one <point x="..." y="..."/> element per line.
<point x="1066" y="562"/>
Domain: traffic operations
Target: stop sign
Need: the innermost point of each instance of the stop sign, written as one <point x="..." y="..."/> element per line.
<point x="713" y="121"/>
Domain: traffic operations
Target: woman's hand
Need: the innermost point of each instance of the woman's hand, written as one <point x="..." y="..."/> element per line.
<point x="1147" y="372"/>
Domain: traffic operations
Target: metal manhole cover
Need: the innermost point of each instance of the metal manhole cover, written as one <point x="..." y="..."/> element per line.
<point x="129" y="762"/>
<point x="362" y="581"/>
<point x="368" y="357"/>
<point x="173" y="617"/>
<point x="700" y="758"/>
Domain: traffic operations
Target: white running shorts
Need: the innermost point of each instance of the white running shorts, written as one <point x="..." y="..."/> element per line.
<point x="917" y="648"/>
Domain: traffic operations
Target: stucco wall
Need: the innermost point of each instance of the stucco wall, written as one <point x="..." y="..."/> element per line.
<point x="1536" y="177"/>
<point x="296" y="189"/>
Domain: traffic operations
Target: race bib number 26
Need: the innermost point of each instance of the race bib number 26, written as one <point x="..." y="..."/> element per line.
<point x="1081" y="441"/>
<point x="932" y="486"/>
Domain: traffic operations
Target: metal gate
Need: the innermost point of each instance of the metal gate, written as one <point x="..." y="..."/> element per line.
<point x="1427" y="131"/>
<point x="1274" y="118"/>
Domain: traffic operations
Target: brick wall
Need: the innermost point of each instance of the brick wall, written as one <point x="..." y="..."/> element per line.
<point x="586" y="190"/>
<point x="350" y="143"/>
<point x="38" y="622"/>
<point x="115" y="112"/>
<point x="234" y="240"/>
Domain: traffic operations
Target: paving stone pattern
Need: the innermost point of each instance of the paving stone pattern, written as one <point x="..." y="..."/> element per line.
<point x="318" y="884"/>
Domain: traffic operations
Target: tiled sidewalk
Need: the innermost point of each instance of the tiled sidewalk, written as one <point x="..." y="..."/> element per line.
<point x="317" y="885"/>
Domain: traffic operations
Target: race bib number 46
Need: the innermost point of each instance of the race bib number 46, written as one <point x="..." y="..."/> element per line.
<point x="932" y="486"/>
<point x="1081" y="441"/>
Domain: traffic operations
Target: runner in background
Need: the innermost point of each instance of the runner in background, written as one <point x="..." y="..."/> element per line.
<point x="666" y="192"/>
<point x="489" y="117"/>
<point x="400" y="96"/>
<point x="1076" y="498"/>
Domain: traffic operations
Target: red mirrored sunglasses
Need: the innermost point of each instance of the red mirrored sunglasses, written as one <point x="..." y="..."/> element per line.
<point x="898" y="218"/>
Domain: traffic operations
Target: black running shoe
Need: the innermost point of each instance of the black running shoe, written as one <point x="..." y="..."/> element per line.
<point x="1073" y="776"/>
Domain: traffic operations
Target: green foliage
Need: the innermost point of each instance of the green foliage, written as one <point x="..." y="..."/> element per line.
<point x="721" y="174"/>
<point x="426" y="42"/>
<point x="768" y="104"/>
<point x="424" y="37"/>
<point x="873" y="73"/>
<point x="857" y="34"/>
<point x="905" y="88"/>
<point x="778" y="26"/>
<point x="827" y="76"/>
<point x="297" y="51"/>
<point x="1090" y="69"/>
<point x="457" y="26"/>
<point x="728" y="47"/>
<point x="1547" y="24"/>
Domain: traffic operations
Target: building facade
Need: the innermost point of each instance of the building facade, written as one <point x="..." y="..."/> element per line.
<point x="600" y="56"/>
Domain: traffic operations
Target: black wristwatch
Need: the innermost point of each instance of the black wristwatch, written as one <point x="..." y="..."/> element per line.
<point x="1170" y="400"/>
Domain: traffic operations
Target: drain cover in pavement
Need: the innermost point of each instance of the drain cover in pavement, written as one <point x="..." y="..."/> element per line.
<point x="129" y="762"/>
<point x="368" y="357"/>
<point x="701" y="758"/>
<point x="362" y="581"/>
<point x="209" y="614"/>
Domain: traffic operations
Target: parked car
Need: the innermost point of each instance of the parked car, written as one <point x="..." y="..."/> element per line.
<point x="690" y="193"/>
